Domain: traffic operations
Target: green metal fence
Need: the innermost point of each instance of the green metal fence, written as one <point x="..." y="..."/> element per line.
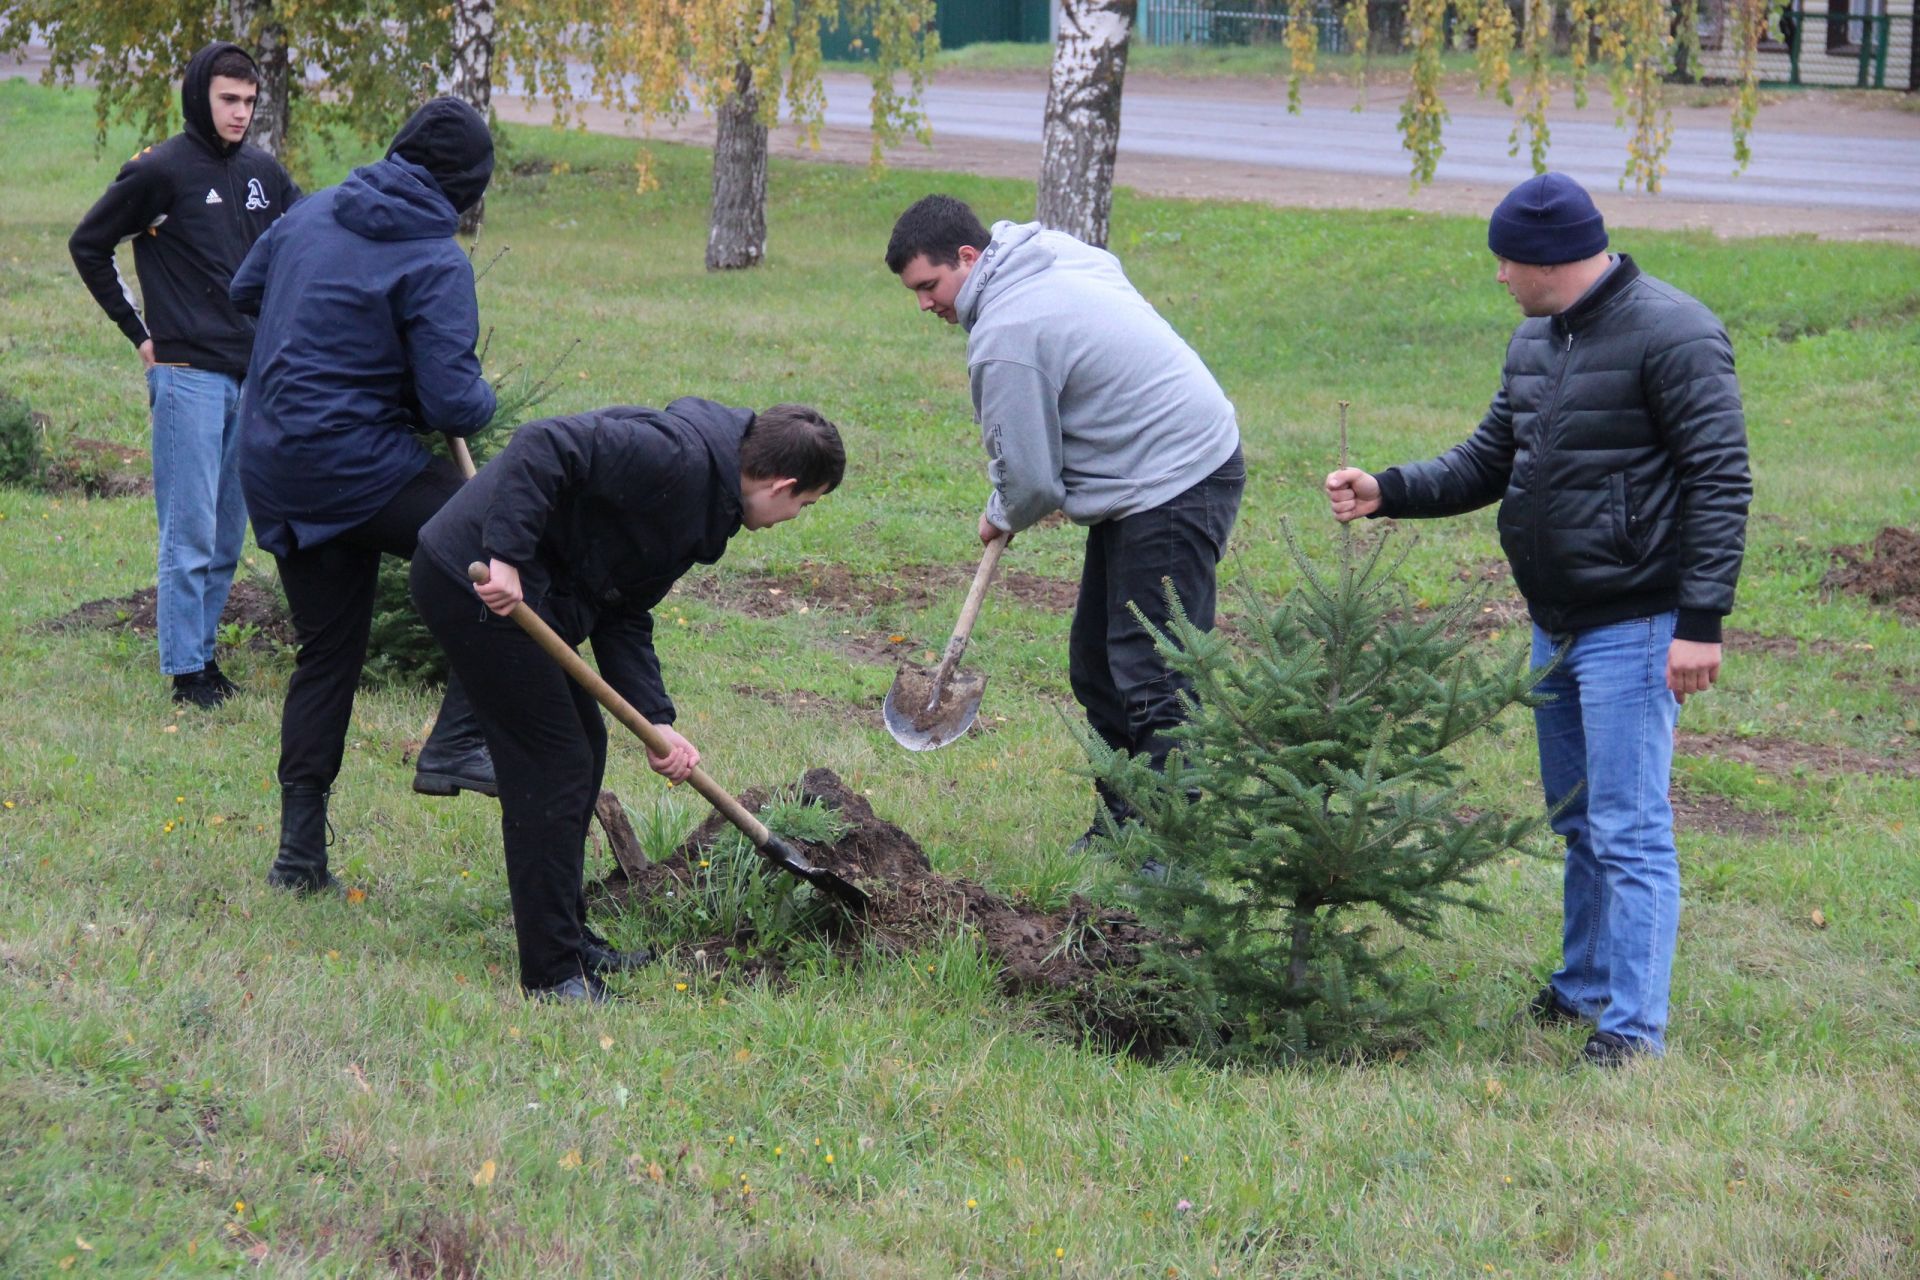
<point x="1230" y="22"/>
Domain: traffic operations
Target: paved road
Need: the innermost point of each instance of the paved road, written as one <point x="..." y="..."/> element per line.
<point x="1793" y="169"/>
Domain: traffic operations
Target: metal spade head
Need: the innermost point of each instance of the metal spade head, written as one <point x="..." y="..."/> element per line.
<point x="918" y="720"/>
<point x="782" y="853"/>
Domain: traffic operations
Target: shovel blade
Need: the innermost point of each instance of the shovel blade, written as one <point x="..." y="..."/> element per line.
<point x="917" y="727"/>
<point x="781" y="853"/>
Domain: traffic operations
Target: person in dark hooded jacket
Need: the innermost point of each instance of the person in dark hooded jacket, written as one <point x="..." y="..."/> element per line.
<point x="590" y="520"/>
<point x="192" y="206"/>
<point x="366" y="337"/>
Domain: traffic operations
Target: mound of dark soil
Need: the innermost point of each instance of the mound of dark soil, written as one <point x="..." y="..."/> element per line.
<point x="251" y="603"/>
<point x="1071" y="957"/>
<point x="99" y="469"/>
<point x="1885" y="571"/>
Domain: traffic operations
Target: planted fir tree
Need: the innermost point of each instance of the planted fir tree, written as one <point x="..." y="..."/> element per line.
<point x="1314" y="796"/>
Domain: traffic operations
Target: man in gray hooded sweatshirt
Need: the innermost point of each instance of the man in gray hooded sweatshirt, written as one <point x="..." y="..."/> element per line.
<point x="1088" y="403"/>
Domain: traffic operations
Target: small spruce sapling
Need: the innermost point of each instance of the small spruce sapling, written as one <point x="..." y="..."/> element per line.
<point x="1310" y="799"/>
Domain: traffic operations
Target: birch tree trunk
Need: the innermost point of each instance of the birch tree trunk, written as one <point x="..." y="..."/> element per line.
<point x="256" y="30"/>
<point x="737" y="226"/>
<point x="473" y="32"/>
<point x="1083" y="117"/>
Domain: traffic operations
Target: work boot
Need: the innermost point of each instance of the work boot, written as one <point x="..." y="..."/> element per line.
<point x="454" y="757"/>
<point x="1547" y="1008"/>
<point x="602" y="959"/>
<point x="304" y="836"/>
<point x="1107" y="805"/>
<point x="219" y="679"/>
<point x="196" y="689"/>
<point x="1608" y="1050"/>
<point x="582" y="989"/>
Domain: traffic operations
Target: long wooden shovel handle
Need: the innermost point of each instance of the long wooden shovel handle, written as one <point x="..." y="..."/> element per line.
<point x="590" y="680"/>
<point x="461" y="455"/>
<point x="963" y="629"/>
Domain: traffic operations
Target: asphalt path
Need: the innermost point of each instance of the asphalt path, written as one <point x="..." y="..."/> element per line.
<point x="1789" y="168"/>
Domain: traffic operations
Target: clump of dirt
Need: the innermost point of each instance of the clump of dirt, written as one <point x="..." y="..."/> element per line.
<point x="1071" y="956"/>
<point x="1785" y="757"/>
<point x="250" y="604"/>
<point x="98" y="469"/>
<point x="1885" y="571"/>
<point x="913" y="696"/>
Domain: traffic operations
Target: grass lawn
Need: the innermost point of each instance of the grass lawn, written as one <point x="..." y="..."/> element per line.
<point x="199" y="1076"/>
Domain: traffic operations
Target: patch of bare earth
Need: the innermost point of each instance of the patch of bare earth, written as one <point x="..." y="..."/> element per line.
<point x="99" y="469"/>
<point x="440" y="1248"/>
<point x="838" y="589"/>
<point x="1696" y="812"/>
<point x="1787" y="757"/>
<point x="1885" y="571"/>
<point x="805" y="702"/>
<point x="250" y="604"/>
<point x="1068" y="957"/>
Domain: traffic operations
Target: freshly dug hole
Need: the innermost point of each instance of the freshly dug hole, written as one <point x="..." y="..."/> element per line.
<point x="1081" y="960"/>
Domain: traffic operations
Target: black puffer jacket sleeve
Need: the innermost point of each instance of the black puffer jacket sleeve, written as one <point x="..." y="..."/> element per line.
<point x="1691" y="391"/>
<point x="1465" y="478"/>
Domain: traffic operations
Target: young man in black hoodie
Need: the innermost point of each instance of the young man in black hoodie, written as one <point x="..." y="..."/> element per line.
<point x="368" y="322"/>
<point x="590" y="520"/>
<point x="193" y="206"/>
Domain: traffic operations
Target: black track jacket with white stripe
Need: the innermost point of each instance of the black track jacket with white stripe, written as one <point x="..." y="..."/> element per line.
<point x="192" y="205"/>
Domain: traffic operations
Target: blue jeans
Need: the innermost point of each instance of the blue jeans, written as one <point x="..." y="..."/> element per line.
<point x="1608" y="735"/>
<point x="203" y="517"/>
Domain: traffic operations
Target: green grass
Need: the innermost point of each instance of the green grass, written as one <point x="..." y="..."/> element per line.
<point x="196" y="1073"/>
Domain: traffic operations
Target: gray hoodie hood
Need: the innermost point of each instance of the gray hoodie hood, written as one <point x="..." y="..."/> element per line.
<point x="1088" y="401"/>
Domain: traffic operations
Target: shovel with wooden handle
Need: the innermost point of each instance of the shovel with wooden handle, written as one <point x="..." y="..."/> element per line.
<point x="462" y="456"/>
<point x="775" y="849"/>
<point x="925" y="710"/>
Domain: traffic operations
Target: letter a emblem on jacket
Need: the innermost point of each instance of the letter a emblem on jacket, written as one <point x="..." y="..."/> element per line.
<point x="213" y="197"/>
<point x="256" y="194"/>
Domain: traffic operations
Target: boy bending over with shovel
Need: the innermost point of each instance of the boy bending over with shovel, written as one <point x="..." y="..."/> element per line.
<point x="590" y="520"/>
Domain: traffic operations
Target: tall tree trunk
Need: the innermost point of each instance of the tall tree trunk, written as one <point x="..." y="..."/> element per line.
<point x="1083" y="117"/>
<point x="473" y="32"/>
<point x="256" y="30"/>
<point x="737" y="228"/>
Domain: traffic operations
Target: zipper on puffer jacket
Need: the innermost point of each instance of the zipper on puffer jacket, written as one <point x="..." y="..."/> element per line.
<point x="1543" y="480"/>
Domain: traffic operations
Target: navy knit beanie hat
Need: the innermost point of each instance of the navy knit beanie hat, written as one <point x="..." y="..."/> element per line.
<point x="1545" y="220"/>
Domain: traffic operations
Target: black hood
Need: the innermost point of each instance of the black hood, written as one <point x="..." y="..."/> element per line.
<point x="449" y="139"/>
<point x="196" y="105"/>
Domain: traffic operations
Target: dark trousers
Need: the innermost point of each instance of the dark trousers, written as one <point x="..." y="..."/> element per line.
<point x="549" y="748"/>
<point x="330" y="590"/>
<point x="1130" y="695"/>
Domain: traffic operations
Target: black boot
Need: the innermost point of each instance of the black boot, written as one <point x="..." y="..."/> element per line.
<point x="454" y="757"/>
<point x="304" y="836"/>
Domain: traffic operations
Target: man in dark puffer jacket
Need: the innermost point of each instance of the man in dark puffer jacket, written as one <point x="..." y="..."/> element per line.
<point x="1617" y="448"/>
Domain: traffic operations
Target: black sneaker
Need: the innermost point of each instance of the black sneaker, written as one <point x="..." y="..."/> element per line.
<point x="1548" y="1009"/>
<point x="1609" y="1049"/>
<point x="219" y="678"/>
<point x="584" y="989"/>
<point x="196" y="689"/>
<point x="603" y="959"/>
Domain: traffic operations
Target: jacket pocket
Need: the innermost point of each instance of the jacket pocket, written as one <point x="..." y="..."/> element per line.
<point x="1620" y="505"/>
